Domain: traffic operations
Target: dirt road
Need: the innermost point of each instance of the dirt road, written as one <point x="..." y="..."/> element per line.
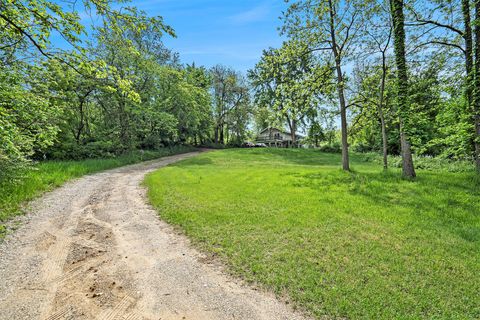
<point x="94" y="249"/>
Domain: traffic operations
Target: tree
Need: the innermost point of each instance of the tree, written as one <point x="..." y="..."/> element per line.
<point x="290" y="83"/>
<point x="230" y="92"/>
<point x="373" y="125"/>
<point x="75" y="81"/>
<point x="379" y="33"/>
<point x="456" y="33"/>
<point x="448" y="27"/>
<point x="329" y="27"/>
<point x="476" y="108"/>
<point x="75" y="93"/>
<point x="133" y="55"/>
<point x="402" y="85"/>
<point x="28" y="119"/>
<point x="316" y="134"/>
<point x="30" y="24"/>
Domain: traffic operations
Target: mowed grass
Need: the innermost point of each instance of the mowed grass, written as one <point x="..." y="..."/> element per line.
<point x="48" y="175"/>
<point x="362" y="245"/>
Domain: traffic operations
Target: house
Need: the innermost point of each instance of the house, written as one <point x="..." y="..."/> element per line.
<point x="274" y="137"/>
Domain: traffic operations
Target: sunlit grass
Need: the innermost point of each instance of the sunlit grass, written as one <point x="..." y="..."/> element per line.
<point x="50" y="174"/>
<point x="362" y="245"/>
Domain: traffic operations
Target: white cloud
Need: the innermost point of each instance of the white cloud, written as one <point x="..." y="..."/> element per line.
<point x="257" y="13"/>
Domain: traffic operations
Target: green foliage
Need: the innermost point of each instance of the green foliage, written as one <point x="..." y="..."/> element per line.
<point x="315" y="135"/>
<point x="27" y="119"/>
<point x="365" y="132"/>
<point x="425" y="163"/>
<point x="331" y="148"/>
<point x="441" y="123"/>
<point x="434" y="61"/>
<point x="362" y="245"/>
<point x="289" y="84"/>
<point x="454" y="130"/>
<point x="33" y="22"/>
<point x="184" y="95"/>
<point x="231" y="105"/>
<point x="122" y="91"/>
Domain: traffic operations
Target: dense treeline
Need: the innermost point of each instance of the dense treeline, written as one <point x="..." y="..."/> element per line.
<point x="400" y="77"/>
<point x="390" y="76"/>
<point x="116" y="88"/>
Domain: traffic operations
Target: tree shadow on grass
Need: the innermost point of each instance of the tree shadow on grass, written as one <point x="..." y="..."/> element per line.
<point x="196" y="161"/>
<point x="439" y="201"/>
<point x="298" y="156"/>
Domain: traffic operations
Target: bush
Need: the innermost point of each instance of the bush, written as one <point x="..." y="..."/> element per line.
<point x="90" y="150"/>
<point x="213" y="145"/>
<point x="424" y="162"/>
<point x="11" y="168"/>
<point x="333" y="148"/>
<point x="362" y="148"/>
<point x="152" y="143"/>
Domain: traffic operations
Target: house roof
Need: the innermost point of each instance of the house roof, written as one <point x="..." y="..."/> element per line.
<point x="282" y="131"/>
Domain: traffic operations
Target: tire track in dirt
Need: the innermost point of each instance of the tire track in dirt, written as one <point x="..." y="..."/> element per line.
<point x="94" y="249"/>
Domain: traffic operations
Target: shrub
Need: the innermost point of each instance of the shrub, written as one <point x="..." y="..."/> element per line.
<point x="74" y="151"/>
<point x="331" y="148"/>
<point x="363" y="147"/>
<point x="213" y="145"/>
<point x="424" y="162"/>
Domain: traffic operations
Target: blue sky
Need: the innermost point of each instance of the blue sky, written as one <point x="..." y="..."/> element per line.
<point x="229" y="32"/>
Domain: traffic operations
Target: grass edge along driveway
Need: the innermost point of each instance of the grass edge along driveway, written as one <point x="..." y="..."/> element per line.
<point x="362" y="245"/>
<point x="47" y="175"/>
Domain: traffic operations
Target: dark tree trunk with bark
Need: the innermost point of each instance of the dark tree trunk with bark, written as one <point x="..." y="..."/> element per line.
<point x="402" y="79"/>
<point x="83" y="121"/>
<point x="294" y="133"/>
<point x="292" y="125"/>
<point x="476" y="105"/>
<point x="341" y="89"/>
<point x="381" y="113"/>
<point x="81" y="125"/>
<point x="222" y="139"/>
<point x="468" y="38"/>
<point x="471" y="87"/>
<point x="124" y="125"/>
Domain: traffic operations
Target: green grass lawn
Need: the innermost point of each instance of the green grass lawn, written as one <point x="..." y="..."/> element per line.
<point x="362" y="245"/>
<point x="50" y="174"/>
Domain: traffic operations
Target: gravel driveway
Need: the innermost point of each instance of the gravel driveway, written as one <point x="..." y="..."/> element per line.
<point x="94" y="249"/>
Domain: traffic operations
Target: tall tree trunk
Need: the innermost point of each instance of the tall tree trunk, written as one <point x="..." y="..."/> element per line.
<point x="381" y="113"/>
<point x="402" y="85"/>
<point x="227" y="134"/>
<point x="340" y="88"/>
<point x="81" y="125"/>
<point x="222" y="139"/>
<point x="476" y="107"/>
<point x="124" y="125"/>
<point x="468" y="38"/>
<point x="216" y="133"/>
<point x="294" y="133"/>
<point x="292" y="125"/>
<point x="471" y="80"/>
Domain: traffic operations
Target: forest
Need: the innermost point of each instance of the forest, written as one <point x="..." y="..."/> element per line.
<point x="116" y="88"/>
<point x="390" y="77"/>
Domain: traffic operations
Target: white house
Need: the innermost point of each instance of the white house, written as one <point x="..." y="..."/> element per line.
<point x="274" y="137"/>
